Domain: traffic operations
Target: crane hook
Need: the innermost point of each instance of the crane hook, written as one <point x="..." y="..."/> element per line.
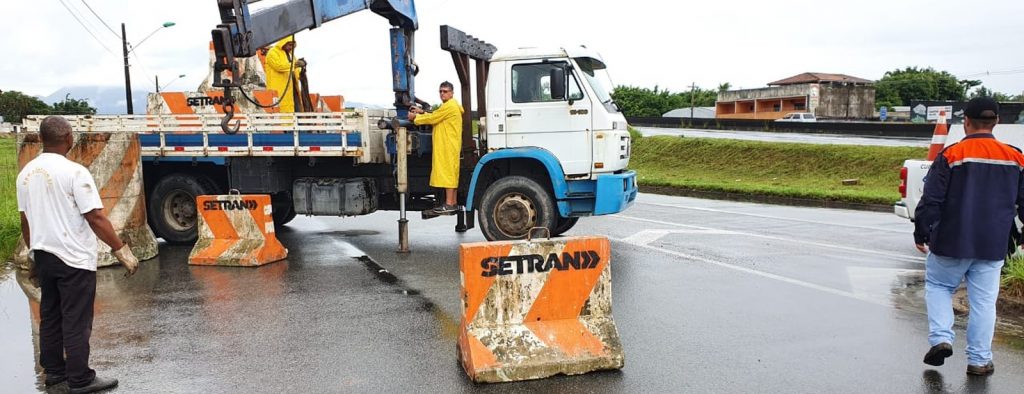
<point x="229" y="112"/>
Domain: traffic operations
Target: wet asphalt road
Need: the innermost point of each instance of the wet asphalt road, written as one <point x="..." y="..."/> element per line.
<point x="709" y="296"/>
<point x="805" y="138"/>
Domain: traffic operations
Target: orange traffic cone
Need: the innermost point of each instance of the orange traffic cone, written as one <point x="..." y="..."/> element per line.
<point x="938" y="137"/>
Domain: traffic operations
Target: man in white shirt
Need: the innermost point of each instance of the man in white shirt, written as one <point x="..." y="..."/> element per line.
<point x="61" y="216"/>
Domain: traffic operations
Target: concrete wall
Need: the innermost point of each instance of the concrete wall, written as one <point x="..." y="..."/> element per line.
<point x="845" y="102"/>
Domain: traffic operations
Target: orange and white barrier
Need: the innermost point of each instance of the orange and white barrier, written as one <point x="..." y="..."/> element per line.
<point x="938" y="137"/>
<point x="236" y="230"/>
<point x="114" y="161"/>
<point x="533" y="309"/>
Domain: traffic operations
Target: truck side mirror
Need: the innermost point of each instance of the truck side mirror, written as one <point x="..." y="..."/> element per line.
<point x="558" y="83"/>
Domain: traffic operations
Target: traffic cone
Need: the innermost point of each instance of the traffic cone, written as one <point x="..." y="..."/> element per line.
<point x="938" y="137"/>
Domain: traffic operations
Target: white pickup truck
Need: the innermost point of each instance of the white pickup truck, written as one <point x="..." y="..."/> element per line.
<point x="914" y="171"/>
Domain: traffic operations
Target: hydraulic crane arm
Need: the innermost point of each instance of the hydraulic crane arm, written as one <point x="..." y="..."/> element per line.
<point x="241" y="34"/>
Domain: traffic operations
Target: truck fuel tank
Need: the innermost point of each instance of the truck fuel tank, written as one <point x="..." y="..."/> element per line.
<point x="334" y="196"/>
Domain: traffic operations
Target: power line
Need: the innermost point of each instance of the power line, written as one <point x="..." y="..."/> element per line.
<point x="987" y="73"/>
<point x="87" y="30"/>
<point x="145" y="69"/>
<point x="101" y="20"/>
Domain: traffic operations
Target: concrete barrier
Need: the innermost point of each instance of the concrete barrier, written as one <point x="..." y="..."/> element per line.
<point x="534" y="309"/>
<point x="236" y="230"/>
<point x="114" y="161"/>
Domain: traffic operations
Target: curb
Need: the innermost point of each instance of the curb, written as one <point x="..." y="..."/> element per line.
<point x="764" y="198"/>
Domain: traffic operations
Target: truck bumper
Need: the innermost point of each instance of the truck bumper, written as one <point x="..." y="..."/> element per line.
<point x="615" y="192"/>
<point x="900" y="209"/>
<point x="608" y="194"/>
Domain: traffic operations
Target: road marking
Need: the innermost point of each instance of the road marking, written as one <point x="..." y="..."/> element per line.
<point x="774" y="217"/>
<point x="913" y="259"/>
<point x="877" y="282"/>
<point x="809" y="285"/>
<point x="647" y="236"/>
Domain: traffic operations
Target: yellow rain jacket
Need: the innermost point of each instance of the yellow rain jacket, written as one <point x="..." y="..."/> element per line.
<point x="447" y="140"/>
<point x="277" y="68"/>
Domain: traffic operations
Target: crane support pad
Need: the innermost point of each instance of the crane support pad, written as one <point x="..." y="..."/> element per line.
<point x="534" y="309"/>
<point x="236" y="230"/>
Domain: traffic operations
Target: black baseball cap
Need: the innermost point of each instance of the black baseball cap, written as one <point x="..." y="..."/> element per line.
<point x="982" y="108"/>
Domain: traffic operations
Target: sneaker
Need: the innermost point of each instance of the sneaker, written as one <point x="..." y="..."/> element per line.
<point x="981" y="370"/>
<point x="97" y="384"/>
<point x="937" y="354"/>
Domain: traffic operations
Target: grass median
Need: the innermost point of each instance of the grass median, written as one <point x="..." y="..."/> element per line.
<point x="10" y="221"/>
<point x="772" y="169"/>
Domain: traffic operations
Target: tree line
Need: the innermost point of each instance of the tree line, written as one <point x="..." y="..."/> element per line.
<point x="14" y="106"/>
<point x="896" y="88"/>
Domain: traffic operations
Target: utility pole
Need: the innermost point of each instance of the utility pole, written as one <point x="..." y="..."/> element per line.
<point x="157" y="81"/>
<point x="127" y="75"/>
<point x="693" y="87"/>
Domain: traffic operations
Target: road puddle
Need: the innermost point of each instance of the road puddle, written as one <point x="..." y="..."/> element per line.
<point x="908" y="294"/>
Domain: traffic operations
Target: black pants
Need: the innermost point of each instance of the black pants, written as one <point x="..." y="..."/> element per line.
<point x="65" y="319"/>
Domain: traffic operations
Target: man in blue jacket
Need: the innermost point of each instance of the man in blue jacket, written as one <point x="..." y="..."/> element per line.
<point x="970" y="196"/>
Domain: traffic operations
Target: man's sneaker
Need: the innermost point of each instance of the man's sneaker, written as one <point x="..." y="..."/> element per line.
<point x="937" y="354"/>
<point x="97" y="384"/>
<point x="981" y="370"/>
<point x="446" y="209"/>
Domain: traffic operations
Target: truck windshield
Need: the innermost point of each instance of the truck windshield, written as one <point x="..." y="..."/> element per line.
<point x="597" y="76"/>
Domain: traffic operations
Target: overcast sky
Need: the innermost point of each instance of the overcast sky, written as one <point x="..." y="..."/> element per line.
<point x="644" y="42"/>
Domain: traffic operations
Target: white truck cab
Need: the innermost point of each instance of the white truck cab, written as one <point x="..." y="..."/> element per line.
<point x="579" y="124"/>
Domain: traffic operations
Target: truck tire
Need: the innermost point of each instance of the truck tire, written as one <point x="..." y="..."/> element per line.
<point x="512" y="206"/>
<point x="172" y="206"/>
<point x="563" y="225"/>
<point x="284" y="208"/>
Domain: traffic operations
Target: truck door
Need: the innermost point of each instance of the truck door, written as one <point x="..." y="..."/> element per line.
<point x="533" y="118"/>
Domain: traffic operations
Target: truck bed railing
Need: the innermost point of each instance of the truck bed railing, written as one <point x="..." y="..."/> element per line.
<point x="261" y="134"/>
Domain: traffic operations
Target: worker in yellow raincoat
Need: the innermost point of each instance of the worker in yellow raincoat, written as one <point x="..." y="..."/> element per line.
<point x="278" y="67"/>
<point x="447" y="141"/>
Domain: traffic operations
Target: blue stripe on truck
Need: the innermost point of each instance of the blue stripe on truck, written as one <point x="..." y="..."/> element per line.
<point x="258" y="139"/>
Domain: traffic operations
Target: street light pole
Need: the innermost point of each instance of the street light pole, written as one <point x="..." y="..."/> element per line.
<point x="127" y="74"/>
<point x="158" y="88"/>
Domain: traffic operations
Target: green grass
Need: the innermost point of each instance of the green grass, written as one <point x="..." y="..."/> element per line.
<point x="775" y="169"/>
<point x="1013" y="276"/>
<point x="10" y="221"/>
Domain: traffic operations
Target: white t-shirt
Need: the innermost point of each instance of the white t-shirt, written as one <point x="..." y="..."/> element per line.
<point x="54" y="193"/>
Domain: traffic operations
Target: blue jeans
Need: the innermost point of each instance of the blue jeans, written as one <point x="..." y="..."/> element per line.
<point x="942" y="277"/>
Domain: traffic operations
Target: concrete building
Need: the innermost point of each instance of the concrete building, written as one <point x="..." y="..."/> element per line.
<point x="827" y="96"/>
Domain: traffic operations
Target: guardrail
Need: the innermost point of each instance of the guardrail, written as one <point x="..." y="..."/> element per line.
<point x="870" y="129"/>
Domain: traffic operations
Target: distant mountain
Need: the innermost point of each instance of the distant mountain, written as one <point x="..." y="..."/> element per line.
<point x="108" y="100"/>
<point x="356" y="104"/>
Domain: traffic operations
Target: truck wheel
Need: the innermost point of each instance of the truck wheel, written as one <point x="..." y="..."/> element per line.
<point x="172" y="206"/>
<point x="512" y="206"/>
<point x="284" y="208"/>
<point x="564" y="224"/>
